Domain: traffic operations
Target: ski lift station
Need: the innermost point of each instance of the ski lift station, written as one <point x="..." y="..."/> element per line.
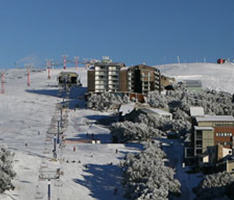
<point x="69" y="78"/>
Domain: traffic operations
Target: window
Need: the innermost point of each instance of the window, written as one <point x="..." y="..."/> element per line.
<point x="223" y="124"/>
<point x="199" y="143"/>
<point x="199" y="133"/>
<point x="199" y="151"/>
<point x="224" y="134"/>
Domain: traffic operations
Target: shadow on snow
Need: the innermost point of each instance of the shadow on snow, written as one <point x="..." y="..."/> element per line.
<point x="103" y="137"/>
<point x="75" y="98"/>
<point x="105" y="120"/>
<point x="104" y="181"/>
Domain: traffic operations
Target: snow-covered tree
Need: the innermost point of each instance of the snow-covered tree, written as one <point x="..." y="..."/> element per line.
<point x="215" y="186"/>
<point x="146" y="177"/>
<point x="213" y="102"/>
<point x="129" y="131"/>
<point x="6" y="169"/>
<point x="106" y="101"/>
<point x="141" y="126"/>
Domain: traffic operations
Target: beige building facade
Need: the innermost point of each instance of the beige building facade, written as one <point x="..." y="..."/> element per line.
<point x="211" y="131"/>
<point x="105" y="76"/>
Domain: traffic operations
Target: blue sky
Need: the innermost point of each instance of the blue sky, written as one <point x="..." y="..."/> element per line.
<point x="131" y="31"/>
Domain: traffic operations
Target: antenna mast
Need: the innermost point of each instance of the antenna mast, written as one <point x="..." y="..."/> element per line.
<point x="76" y="61"/>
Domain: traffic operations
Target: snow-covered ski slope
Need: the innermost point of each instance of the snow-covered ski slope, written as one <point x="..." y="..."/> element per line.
<point x="90" y="172"/>
<point x="214" y="76"/>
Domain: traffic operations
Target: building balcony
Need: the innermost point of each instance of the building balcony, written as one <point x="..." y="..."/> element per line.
<point x="113" y="80"/>
<point x="97" y="68"/>
<point x="100" y="82"/>
<point x="156" y="73"/>
<point x="145" y="82"/>
<point x="100" y="73"/>
<point x="145" y="90"/>
<point x="113" y="73"/>
<point x="100" y="78"/>
<point x="115" y="77"/>
<point x="198" y="138"/>
<point x="99" y="88"/>
<point x="113" y="68"/>
<point x="113" y="85"/>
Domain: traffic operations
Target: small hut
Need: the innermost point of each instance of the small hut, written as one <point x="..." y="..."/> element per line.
<point x="68" y="78"/>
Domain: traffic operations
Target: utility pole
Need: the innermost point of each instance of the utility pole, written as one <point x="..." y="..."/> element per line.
<point x="49" y="192"/>
<point x="49" y="68"/>
<point x="2" y="82"/>
<point x="28" y="77"/>
<point x="55" y="139"/>
<point x="58" y="134"/>
<point x="64" y="61"/>
<point x="61" y="117"/>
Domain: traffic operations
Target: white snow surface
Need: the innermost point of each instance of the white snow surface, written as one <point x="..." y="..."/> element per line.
<point x="213" y="76"/>
<point x="90" y="172"/>
<point x="127" y="108"/>
<point x="196" y="111"/>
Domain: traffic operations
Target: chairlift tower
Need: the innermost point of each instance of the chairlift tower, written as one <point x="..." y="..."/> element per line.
<point x="64" y="61"/>
<point x="28" y="67"/>
<point x="48" y="64"/>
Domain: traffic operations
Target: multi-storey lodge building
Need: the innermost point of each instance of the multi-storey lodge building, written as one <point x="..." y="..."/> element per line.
<point x="211" y="131"/>
<point x="104" y="76"/>
<point x="140" y="79"/>
<point x="107" y="76"/>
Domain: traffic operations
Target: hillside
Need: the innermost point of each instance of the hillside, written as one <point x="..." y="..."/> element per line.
<point x="214" y="76"/>
<point x="29" y="114"/>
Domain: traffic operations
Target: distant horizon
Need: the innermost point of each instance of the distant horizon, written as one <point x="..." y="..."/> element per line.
<point x="83" y="66"/>
<point x="41" y="64"/>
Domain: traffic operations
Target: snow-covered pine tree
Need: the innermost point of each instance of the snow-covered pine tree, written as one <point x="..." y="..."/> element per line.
<point x="146" y="177"/>
<point x="215" y="186"/>
<point x="6" y="169"/>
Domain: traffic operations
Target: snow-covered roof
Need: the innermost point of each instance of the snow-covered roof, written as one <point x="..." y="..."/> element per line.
<point x="196" y="111"/>
<point x="159" y="111"/>
<point x="206" y="128"/>
<point x="123" y="68"/>
<point x="215" y="118"/>
<point x="192" y="83"/>
<point x="156" y="111"/>
<point x="126" y="108"/>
